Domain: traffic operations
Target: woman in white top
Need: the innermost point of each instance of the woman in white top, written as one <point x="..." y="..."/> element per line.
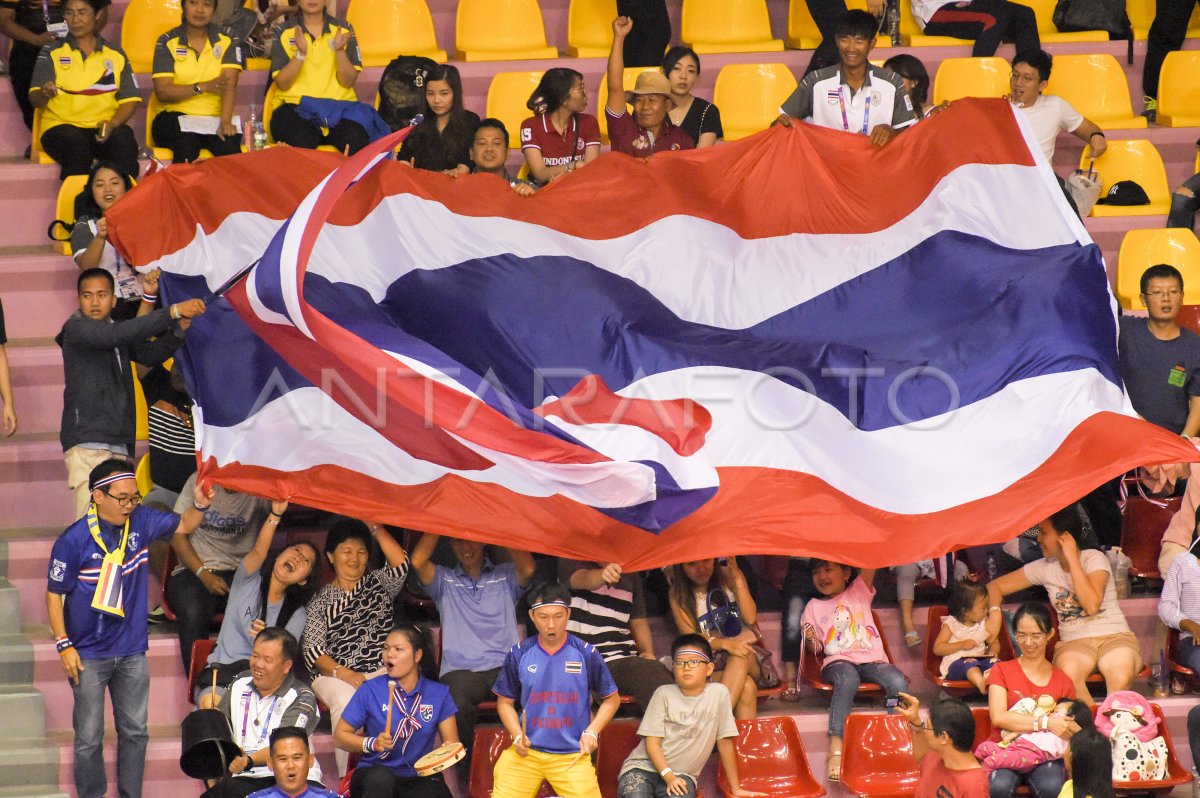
<point x="1078" y="581"/>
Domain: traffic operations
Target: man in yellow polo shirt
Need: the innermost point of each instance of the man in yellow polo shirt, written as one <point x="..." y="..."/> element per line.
<point x="87" y="91"/>
<point x="196" y="70"/>
<point x="318" y="58"/>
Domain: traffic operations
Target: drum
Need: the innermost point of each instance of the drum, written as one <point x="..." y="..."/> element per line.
<point x="208" y="745"/>
<point x="440" y="758"/>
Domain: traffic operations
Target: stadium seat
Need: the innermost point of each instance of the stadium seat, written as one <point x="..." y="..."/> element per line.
<point x="143" y="23"/>
<point x="617" y="741"/>
<point x="1141" y="249"/>
<point x="1177" y="775"/>
<point x="933" y="662"/>
<point x="810" y="671"/>
<point x="749" y="96"/>
<point x="506" y="99"/>
<point x="1141" y="15"/>
<point x="1179" y="90"/>
<point x="1097" y="87"/>
<point x="589" y="28"/>
<point x="1137" y="160"/>
<point x="877" y="756"/>
<point x="1143" y="522"/>
<point x="142" y="474"/>
<point x="490" y="742"/>
<point x="201" y="650"/>
<point x="64" y="208"/>
<point x="501" y="30"/>
<point x="771" y="760"/>
<point x="1049" y="34"/>
<point x="386" y="28"/>
<point x="971" y="77"/>
<point x="36" y="153"/>
<point x="983" y="725"/>
<point x="802" y="30"/>
<point x="141" y="413"/>
<point x="629" y="78"/>
<point x="1189" y="318"/>
<point x="911" y="31"/>
<point x="728" y="26"/>
<point x="1182" y="671"/>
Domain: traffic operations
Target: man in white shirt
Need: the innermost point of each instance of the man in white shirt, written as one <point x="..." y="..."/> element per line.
<point x="1048" y="113"/>
<point x="854" y="95"/>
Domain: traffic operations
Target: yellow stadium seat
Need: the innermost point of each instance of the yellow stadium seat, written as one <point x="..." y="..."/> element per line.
<point x="1179" y="90"/>
<point x="1141" y="249"/>
<point x="144" y="483"/>
<point x="728" y="26"/>
<point x="1141" y="15"/>
<point x="36" y="153"/>
<point x="589" y="28"/>
<point x="803" y="33"/>
<point x="258" y="64"/>
<point x="1096" y="86"/>
<point x="749" y="96"/>
<point x="501" y="30"/>
<point x="64" y="208"/>
<point x="143" y="23"/>
<point x="1137" y="160"/>
<point x="141" y="413"/>
<point x="387" y="28"/>
<point x="971" y="77"/>
<point x="629" y="78"/>
<point x="506" y="100"/>
<point x="1044" y="11"/>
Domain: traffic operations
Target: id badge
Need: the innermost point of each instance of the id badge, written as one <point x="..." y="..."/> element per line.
<point x="110" y="593"/>
<point x="59" y="29"/>
<point x="1177" y="377"/>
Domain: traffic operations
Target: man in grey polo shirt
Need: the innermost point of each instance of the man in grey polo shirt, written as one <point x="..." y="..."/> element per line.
<point x="476" y="601"/>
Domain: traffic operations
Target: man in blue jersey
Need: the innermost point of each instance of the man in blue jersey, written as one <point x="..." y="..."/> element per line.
<point x="96" y="599"/>
<point x="553" y="677"/>
<point x="290" y="761"/>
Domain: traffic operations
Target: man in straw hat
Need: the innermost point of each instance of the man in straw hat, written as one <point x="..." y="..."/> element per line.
<point x="650" y="129"/>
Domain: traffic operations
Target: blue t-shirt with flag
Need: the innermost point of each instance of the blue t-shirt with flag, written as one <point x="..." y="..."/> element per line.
<point x="555" y="690"/>
<point x="415" y="718"/>
<point x="75" y="569"/>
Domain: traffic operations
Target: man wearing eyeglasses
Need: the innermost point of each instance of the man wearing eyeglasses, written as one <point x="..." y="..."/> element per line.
<point x="96" y="600"/>
<point x="1158" y="359"/>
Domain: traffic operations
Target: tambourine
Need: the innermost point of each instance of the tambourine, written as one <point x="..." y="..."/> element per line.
<point x="440" y="758"/>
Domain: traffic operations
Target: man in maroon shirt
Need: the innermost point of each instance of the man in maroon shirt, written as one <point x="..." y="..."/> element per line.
<point x="649" y="130"/>
<point x="942" y="747"/>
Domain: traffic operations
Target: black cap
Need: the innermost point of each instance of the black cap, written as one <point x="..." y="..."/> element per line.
<point x="1125" y="192"/>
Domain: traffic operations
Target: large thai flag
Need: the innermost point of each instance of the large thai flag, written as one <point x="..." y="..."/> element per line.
<point x="795" y="343"/>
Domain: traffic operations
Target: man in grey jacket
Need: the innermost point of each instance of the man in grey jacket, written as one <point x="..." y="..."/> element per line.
<point x="98" y="401"/>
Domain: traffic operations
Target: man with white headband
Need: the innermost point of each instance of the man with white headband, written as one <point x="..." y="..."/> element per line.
<point x="552" y="676"/>
<point x="96" y="599"/>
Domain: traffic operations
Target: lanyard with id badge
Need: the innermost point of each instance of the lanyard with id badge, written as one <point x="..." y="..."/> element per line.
<point x="59" y="29"/>
<point x="110" y="594"/>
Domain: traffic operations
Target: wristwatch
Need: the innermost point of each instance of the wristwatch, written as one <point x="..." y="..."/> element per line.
<point x="196" y="89"/>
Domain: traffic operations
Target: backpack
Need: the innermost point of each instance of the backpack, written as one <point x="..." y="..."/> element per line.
<point x="1106" y="15"/>
<point x="402" y="89"/>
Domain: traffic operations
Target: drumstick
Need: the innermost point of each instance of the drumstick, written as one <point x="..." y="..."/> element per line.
<point x="391" y="695"/>
<point x="214" y="682"/>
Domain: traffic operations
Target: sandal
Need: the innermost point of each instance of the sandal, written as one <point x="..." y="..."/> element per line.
<point x="912" y="639"/>
<point x="791" y="694"/>
<point x="833" y="766"/>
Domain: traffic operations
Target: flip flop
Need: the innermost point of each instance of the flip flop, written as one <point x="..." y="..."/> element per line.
<point x="791" y="694"/>
<point x="833" y="767"/>
<point x="912" y="639"/>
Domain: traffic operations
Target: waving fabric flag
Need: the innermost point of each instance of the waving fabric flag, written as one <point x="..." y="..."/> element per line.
<point x="795" y="343"/>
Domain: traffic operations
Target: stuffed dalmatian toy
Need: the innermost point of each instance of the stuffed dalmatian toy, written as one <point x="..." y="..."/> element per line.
<point x="1139" y="752"/>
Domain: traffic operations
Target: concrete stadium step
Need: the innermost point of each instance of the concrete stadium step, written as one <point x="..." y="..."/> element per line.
<point x="23" y="704"/>
<point x="27" y="202"/>
<point x="28" y="563"/>
<point x="33" y="482"/>
<point x="39" y="289"/>
<point x="37" y="375"/>
<point x="16" y="660"/>
<point x="30" y="769"/>
<point x="10" y="610"/>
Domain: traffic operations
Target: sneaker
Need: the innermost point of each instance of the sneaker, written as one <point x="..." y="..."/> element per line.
<point x="157" y="615"/>
<point x="1151" y="109"/>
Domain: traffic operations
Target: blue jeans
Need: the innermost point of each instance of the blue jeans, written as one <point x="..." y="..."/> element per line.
<point x="1187" y="653"/>
<point x="127" y="679"/>
<point x="846" y="677"/>
<point x="1046" y="781"/>
<point x="638" y="783"/>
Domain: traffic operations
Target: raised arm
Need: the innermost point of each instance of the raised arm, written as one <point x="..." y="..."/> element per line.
<point x="616" y="66"/>
<point x="420" y="562"/>
<point x="1089" y="587"/>
<point x="266" y="533"/>
<point x="997" y="589"/>
<point x="526" y="567"/>
<point x="393" y="552"/>
<point x="747" y="606"/>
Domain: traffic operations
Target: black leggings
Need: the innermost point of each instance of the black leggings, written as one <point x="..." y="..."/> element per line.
<point x="290" y="128"/>
<point x="185" y="147"/>
<point x="825" y="13"/>
<point x="647" y="42"/>
<point x="76" y="148"/>
<point x="1166" y="35"/>
<point x="21" y="60"/>
<point x="988" y="22"/>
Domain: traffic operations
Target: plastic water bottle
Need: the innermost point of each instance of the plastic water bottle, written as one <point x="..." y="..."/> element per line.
<point x="992" y="569"/>
<point x="892" y="16"/>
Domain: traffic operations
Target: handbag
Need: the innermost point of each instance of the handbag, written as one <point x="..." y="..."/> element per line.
<point x="723" y="618"/>
<point x="1109" y="16"/>
<point x="1084" y="187"/>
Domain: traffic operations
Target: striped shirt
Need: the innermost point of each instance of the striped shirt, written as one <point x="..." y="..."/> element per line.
<point x="601" y="617"/>
<point x="351" y="626"/>
<point x="1180" y="600"/>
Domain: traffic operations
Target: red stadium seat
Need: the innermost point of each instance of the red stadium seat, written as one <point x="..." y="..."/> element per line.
<point x="810" y="669"/>
<point x="617" y="740"/>
<point x="490" y="742"/>
<point x="933" y="663"/>
<point x="1189" y="315"/>
<point x="1177" y="776"/>
<point x="201" y="651"/>
<point x="877" y="757"/>
<point x="771" y="760"/>
<point x="1173" y="663"/>
<point x="983" y="725"/>
<point x="1142" y="525"/>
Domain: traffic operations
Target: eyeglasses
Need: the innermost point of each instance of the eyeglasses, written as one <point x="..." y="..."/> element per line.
<point x="125" y="501"/>
<point x="1172" y="293"/>
<point x="1032" y="637"/>
<point x="688" y="664"/>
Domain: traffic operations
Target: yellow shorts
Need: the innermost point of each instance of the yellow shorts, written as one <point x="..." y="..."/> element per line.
<point x="519" y="776"/>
